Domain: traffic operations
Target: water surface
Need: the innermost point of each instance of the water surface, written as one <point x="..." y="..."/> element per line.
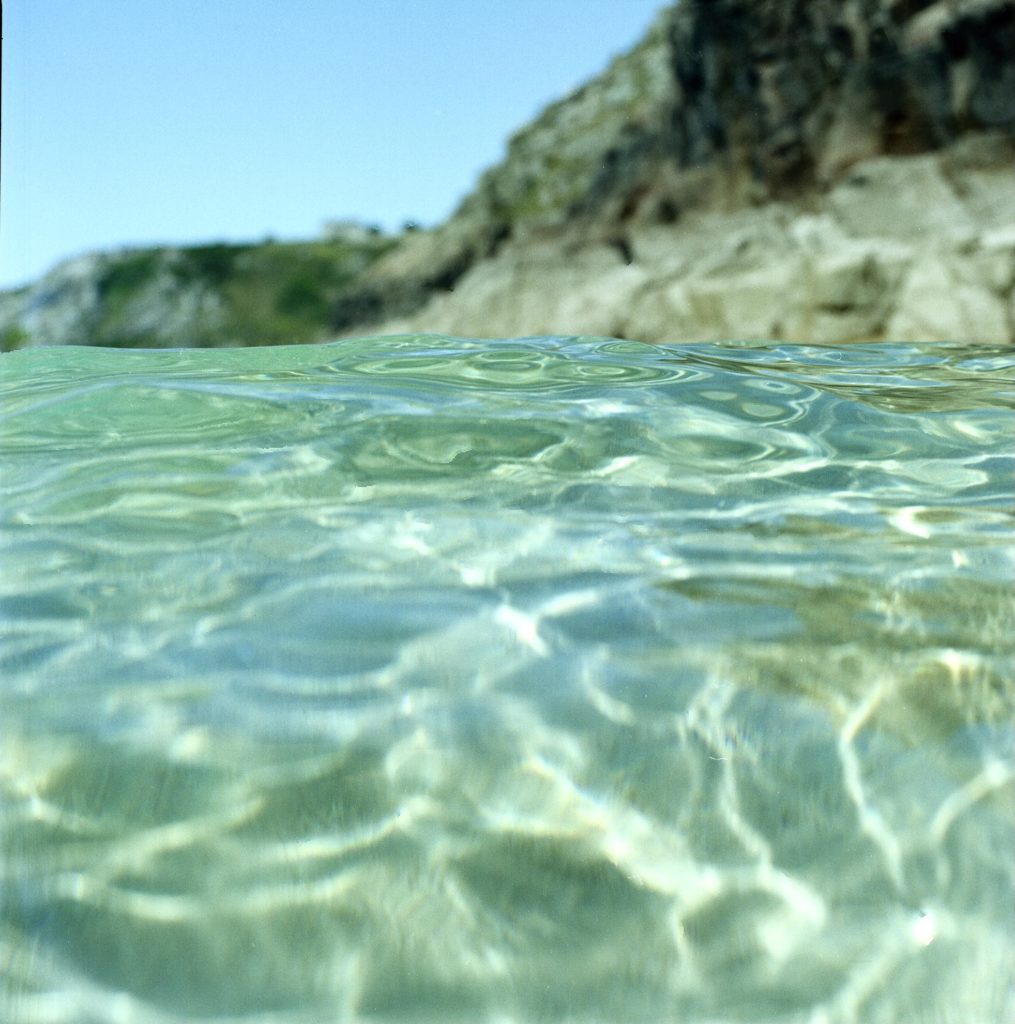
<point x="416" y="678"/>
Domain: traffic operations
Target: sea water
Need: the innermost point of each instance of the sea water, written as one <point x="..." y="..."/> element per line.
<point x="426" y="679"/>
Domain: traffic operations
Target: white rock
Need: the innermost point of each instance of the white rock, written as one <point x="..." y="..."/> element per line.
<point x="935" y="302"/>
<point x="901" y="199"/>
<point x="751" y="305"/>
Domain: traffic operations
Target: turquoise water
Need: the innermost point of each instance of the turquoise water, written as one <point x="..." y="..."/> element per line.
<point x="414" y="679"/>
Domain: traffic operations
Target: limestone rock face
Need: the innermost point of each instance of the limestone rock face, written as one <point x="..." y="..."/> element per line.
<point x="833" y="170"/>
<point x="66" y="298"/>
<point x="113" y="299"/>
<point x="946" y="298"/>
<point x="839" y="270"/>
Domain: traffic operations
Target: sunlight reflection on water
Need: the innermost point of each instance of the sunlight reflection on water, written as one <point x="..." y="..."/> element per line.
<point x="421" y="678"/>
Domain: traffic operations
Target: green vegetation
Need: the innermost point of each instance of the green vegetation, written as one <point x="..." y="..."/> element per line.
<point x="127" y="273"/>
<point x="122" y="279"/>
<point x="12" y="337"/>
<point x="208" y="264"/>
<point x="223" y="294"/>
<point x="283" y="292"/>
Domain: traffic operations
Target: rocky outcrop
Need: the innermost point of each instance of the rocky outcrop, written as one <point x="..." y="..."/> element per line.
<point x="903" y="248"/>
<point x="825" y="170"/>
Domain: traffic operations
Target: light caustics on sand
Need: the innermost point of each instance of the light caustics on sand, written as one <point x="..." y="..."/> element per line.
<point x="420" y="678"/>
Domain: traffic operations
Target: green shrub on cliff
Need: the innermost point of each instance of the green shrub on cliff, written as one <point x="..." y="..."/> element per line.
<point x="283" y="292"/>
<point x="126" y="274"/>
<point x="302" y="296"/>
<point x="13" y="337"/>
<point x="210" y="264"/>
<point x="222" y="294"/>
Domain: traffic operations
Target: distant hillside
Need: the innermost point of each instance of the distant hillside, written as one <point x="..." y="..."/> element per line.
<point x="814" y="170"/>
<point x="205" y="295"/>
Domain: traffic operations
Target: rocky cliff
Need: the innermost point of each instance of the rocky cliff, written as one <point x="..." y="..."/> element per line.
<point x="812" y="170"/>
<point x="825" y="170"/>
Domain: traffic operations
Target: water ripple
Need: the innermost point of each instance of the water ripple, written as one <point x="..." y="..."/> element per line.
<point x="532" y="680"/>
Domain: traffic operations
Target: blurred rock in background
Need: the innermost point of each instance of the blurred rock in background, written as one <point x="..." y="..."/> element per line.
<point x="808" y="170"/>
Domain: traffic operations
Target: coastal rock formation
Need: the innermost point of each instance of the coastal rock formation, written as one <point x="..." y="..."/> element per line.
<point x="809" y="170"/>
<point x="797" y="271"/>
<point x="825" y="171"/>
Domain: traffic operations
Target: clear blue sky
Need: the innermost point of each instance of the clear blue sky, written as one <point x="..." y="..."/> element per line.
<point x="148" y="121"/>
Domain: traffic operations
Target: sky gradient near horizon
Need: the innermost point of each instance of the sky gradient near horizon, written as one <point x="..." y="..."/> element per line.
<point x="133" y="122"/>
